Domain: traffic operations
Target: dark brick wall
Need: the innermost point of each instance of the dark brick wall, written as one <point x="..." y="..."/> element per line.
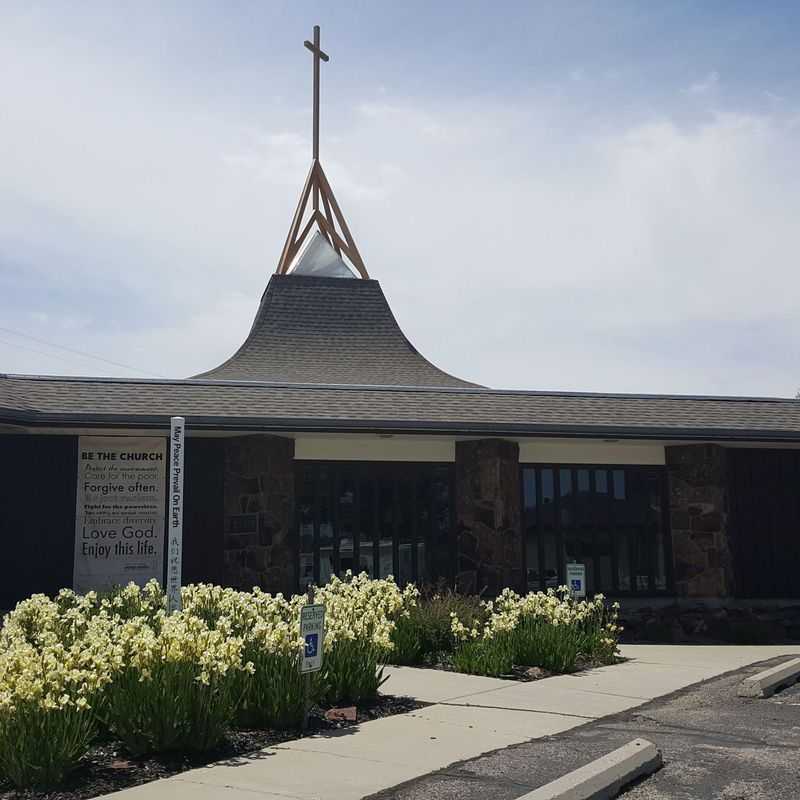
<point x="711" y="621"/>
<point x="703" y="566"/>
<point x="203" y="518"/>
<point x="260" y="547"/>
<point x="488" y="530"/>
<point x="38" y="476"/>
<point x="764" y="524"/>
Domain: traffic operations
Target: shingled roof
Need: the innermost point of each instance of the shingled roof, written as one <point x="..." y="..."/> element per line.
<point x="255" y="406"/>
<point x="326" y="354"/>
<point x="317" y="330"/>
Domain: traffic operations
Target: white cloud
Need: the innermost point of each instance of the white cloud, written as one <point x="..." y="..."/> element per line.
<point x="705" y="85"/>
<point x="520" y="243"/>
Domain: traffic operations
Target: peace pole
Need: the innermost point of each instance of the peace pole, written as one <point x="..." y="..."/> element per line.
<point x="175" y="550"/>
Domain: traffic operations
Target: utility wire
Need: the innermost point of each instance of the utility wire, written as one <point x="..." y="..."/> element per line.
<point x="71" y="350"/>
<point x="29" y="349"/>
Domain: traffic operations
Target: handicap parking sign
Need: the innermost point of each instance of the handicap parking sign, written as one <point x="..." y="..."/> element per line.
<point x="312" y="629"/>
<point x="312" y="643"/>
<point x="576" y="579"/>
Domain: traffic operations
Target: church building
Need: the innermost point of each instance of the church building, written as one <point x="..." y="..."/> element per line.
<point x="328" y="443"/>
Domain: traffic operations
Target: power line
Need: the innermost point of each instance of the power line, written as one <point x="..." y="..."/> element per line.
<point x="71" y="350"/>
<point x="29" y="349"/>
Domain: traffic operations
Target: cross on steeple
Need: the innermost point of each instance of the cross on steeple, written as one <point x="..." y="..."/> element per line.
<point x="318" y="54"/>
<point x="331" y="223"/>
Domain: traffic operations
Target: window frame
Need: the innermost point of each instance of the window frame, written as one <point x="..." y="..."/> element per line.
<point x="374" y="471"/>
<point x="560" y="531"/>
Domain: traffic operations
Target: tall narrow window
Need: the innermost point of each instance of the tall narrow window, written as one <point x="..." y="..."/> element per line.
<point x="550" y="550"/>
<point x="305" y="514"/>
<point x="347" y="513"/>
<point x="579" y="531"/>
<point x="406" y="523"/>
<point x="325" y="524"/>
<point x="600" y="520"/>
<point x="442" y="553"/>
<point x="424" y="524"/>
<point x="366" y="520"/>
<point x="386" y="531"/>
<point x="529" y="529"/>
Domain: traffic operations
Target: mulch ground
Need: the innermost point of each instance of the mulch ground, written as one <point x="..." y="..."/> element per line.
<point x="108" y="768"/>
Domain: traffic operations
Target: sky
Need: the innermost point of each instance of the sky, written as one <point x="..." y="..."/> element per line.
<point x="558" y="196"/>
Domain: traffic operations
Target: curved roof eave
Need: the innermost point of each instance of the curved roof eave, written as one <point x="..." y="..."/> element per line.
<point x="331" y="331"/>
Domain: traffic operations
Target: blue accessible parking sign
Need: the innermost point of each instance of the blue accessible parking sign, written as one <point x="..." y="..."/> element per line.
<point x="576" y="579"/>
<point x="312" y="643"/>
<point x="312" y="629"/>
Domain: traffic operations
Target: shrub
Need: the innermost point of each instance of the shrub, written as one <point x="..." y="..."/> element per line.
<point x="407" y="647"/>
<point x="175" y="687"/>
<point x="160" y="682"/>
<point x="544" y="629"/>
<point x="424" y="634"/>
<point x="550" y="645"/>
<point x="132" y="602"/>
<point x="274" y="691"/>
<point x="270" y="687"/>
<point x="360" y="618"/>
<point x="486" y="644"/>
<point x="601" y="633"/>
<point x="554" y="631"/>
<point x="52" y="672"/>
<point x="492" y="656"/>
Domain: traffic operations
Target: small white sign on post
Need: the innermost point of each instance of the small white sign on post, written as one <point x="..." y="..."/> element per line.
<point x="312" y="629"/>
<point x="175" y="522"/>
<point x="576" y="580"/>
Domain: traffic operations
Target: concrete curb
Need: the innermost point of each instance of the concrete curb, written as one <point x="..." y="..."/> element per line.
<point x="603" y="778"/>
<point x="766" y="683"/>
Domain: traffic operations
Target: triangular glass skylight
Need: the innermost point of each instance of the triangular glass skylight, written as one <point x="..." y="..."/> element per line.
<point x="319" y="258"/>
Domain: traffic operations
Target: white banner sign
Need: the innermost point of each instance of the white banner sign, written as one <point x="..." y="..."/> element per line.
<point x="119" y="520"/>
<point x="175" y="547"/>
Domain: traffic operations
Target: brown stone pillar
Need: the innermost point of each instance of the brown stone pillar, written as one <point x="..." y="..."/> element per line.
<point x="260" y="546"/>
<point x="703" y="566"/>
<point x="488" y="532"/>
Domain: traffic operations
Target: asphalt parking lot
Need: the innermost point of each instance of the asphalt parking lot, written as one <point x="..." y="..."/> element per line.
<point x="716" y="746"/>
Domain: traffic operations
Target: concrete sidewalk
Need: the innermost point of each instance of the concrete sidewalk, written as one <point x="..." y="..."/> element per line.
<point x="715" y="744"/>
<point x="469" y="716"/>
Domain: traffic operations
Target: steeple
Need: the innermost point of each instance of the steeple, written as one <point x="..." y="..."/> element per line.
<point x="330" y="221"/>
<point x="312" y="327"/>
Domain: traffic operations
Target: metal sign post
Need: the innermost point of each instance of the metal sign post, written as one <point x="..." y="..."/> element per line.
<point x="175" y="523"/>
<point x="312" y="630"/>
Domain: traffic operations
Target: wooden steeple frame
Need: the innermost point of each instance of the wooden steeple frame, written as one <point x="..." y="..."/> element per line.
<point x="331" y="223"/>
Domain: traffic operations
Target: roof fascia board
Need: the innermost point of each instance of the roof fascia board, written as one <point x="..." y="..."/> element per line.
<point x="479" y="390"/>
<point x="256" y="425"/>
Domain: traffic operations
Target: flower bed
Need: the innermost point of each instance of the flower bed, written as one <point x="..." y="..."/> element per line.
<point x="77" y="670"/>
<point x="108" y="766"/>
<point x="546" y="630"/>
